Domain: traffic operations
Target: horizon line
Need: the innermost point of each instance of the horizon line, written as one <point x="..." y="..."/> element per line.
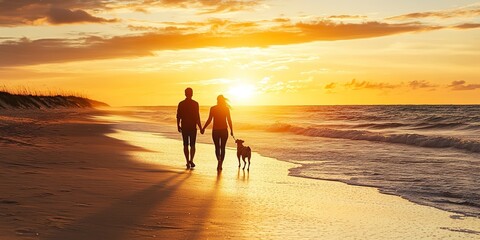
<point x="312" y="105"/>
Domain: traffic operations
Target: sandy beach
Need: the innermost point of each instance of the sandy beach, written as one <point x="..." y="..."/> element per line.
<point x="71" y="175"/>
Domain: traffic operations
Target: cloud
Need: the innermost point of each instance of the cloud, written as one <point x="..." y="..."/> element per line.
<point x="328" y="30"/>
<point x="225" y="5"/>
<point x="215" y="25"/>
<point x="416" y="84"/>
<point x="472" y="11"/>
<point x="279" y="63"/>
<point x="346" y="16"/>
<point x="467" y="26"/>
<point x="25" y="51"/>
<point x="29" y="12"/>
<point x="203" y="6"/>
<point x="316" y="71"/>
<point x="462" y="85"/>
<point x="215" y="81"/>
<point x="357" y="85"/>
<point x="330" y="86"/>
<point x="266" y="85"/>
<point x="282" y="86"/>
<point x="280" y="68"/>
<point x="65" y="16"/>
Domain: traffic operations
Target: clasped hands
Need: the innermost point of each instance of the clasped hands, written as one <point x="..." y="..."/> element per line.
<point x="202" y="131"/>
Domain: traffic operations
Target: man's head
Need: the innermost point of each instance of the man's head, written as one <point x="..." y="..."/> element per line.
<point x="188" y="92"/>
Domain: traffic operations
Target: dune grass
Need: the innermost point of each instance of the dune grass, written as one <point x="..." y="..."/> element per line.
<point x="26" y="91"/>
<point x="26" y="98"/>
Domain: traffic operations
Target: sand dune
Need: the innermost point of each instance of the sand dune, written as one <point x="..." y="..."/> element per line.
<point x="18" y="101"/>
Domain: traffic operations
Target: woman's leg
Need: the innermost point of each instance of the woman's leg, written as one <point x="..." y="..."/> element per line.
<point x="223" y="144"/>
<point x="216" y="141"/>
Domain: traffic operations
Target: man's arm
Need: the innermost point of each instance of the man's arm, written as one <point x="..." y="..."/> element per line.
<point x="199" y="123"/>
<point x="178" y="125"/>
<point x="178" y="119"/>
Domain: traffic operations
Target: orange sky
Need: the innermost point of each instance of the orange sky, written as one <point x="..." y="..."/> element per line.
<point x="253" y="51"/>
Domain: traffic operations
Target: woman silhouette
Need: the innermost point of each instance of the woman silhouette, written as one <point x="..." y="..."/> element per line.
<point x="220" y="114"/>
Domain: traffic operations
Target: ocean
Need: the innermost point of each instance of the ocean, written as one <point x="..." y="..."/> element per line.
<point x="427" y="154"/>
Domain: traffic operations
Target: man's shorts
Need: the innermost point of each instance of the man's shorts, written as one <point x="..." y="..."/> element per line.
<point x="189" y="137"/>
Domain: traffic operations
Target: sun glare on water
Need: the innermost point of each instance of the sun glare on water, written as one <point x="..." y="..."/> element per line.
<point x="241" y="94"/>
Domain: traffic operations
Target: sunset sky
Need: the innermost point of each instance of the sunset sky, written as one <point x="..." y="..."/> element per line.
<point x="266" y="52"/>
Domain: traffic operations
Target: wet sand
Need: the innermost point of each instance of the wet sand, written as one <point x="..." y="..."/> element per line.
<point x="83" y="179"/>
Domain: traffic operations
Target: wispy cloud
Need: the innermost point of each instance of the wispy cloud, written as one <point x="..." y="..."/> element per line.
<point x="316" y="71"/>
<point x="215" y="81"/>
<point x="358" y="85"/>
<point x="328" y="30"/>
<point x="467" y="26"/>
<point x="203" y="6"/>
<point x="462" y="85"/>
<point x="226" y="5"/>
<point x="267" y="85"/>
<point x="279" y="63"/>
<point x="346" y="16"/>
<point x="471" y="11"/>
<point x="416" y="84"/>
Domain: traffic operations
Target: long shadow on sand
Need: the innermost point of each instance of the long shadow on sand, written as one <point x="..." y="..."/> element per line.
<point x="206" y="208"/>
<point x="114" y="222"/>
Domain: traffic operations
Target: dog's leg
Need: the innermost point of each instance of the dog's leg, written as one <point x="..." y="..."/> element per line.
<point x="244" y="162"/>
<point x="248" y="163"/>
<point x="238" y="156"/>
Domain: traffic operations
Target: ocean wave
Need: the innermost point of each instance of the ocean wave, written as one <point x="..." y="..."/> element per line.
<point x="418" y="126"/>
<point x="411" y="139"/>
<point x="381" y="125"/>
<point x="449" y="125"/>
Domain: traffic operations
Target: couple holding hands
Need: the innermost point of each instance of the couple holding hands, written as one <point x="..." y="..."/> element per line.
<point x="188" y="118"/>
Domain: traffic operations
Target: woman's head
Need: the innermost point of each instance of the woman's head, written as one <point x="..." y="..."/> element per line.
<point x="222" y="101"/>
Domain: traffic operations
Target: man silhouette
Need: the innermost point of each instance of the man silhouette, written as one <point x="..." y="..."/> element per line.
<point x="188" y="118"/>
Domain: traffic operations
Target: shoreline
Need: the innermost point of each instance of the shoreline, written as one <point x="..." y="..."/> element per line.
<point x="85" y="179"/>
<point x="293" y="171"/>
<point x="287" y="165"/>
<point x="357" y="207"/>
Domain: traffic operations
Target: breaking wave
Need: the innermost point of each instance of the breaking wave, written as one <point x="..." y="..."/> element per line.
<point x="418" y="140"/>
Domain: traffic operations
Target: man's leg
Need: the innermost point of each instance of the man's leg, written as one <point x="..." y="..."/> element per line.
<point x="192" y="155"/>
<point x="193" y="139"/>
<point x="186" y="153"/>
<point x="185" y="147"/>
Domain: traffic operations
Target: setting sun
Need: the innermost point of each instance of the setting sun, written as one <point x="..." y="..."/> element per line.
<point x="241" y="93"/>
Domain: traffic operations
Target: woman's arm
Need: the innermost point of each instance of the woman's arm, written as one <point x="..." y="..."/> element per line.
<point x="210" y="116"/>
<point x="229" y="120"/>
